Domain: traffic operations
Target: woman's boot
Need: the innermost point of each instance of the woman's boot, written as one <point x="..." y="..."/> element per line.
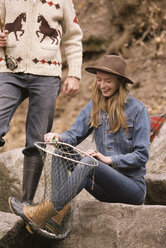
<point x="33" y="215"/>
<point x="41" y="213"/>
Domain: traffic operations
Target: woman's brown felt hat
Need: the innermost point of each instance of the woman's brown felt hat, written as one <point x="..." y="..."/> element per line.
<point x="111" y="64"/>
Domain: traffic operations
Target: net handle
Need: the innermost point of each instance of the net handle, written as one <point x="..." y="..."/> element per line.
<point x="38" y="145"/>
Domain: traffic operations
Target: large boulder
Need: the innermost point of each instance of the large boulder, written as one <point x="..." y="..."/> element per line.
<point x="102" y="225"/>
<point x="105" y="225"/>
<point x="95" y="224"/>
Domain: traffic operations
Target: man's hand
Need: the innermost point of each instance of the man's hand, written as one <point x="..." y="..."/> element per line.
<point x="70" y="86"/>
<point x="4" y="38"/>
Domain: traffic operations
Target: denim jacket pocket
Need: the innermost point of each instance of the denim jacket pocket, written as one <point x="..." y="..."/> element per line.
<point x="129" y="134"/>
<point x="124" y="139"/>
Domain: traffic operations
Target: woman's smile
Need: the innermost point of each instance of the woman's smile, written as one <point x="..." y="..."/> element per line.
<point x="107" y="83"/>
<point x="106" y="91"/>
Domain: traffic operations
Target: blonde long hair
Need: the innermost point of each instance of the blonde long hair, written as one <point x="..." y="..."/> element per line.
<point x="113" y="106"/>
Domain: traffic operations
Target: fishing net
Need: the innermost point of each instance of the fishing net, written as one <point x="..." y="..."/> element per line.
<point x="65" y="168"/>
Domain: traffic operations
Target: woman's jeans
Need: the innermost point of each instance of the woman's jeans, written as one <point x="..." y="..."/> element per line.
<point x="42" y="92"/>
<point x="110" y="185"/>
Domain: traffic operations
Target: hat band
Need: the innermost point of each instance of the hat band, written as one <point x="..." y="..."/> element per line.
<point x="111" y="70"/>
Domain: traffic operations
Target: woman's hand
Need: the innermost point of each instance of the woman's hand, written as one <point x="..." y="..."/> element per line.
<point x="4" y="38"/>
<point x="100" y="156"/>
<point x="49" y="137"/>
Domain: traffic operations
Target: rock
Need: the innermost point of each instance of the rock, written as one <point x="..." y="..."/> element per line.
<point x="106" y="225"/>
<point x="156" y="170"/>
<point x="95" y="39"/>
<point x="157" y="160"/>
<point x="10" y="176"/>
<point x="156" y="189"/>
<point x="19" y="237"/>
<point x="95" y="224"/>
<point x="103" y="225"/>
<point x="7" y="222"/>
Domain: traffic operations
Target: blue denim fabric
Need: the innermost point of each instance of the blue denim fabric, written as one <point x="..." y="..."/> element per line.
<point x="42" y="92"/>
<point x="129" y="152"/>
<point x="61" y="169"/>
<point x="65" y="185"/>
<point x="109" y="186"/>
<point x="112" y="186"/>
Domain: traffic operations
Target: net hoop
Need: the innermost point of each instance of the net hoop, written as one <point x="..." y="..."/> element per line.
<point x="48" y="235"/>
<point x="70" y="155"/>
<point x="40" y="144"/>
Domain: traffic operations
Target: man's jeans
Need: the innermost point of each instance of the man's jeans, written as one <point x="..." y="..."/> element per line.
<point x="42" y="92"/>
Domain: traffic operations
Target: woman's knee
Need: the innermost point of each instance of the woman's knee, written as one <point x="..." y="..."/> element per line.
<point x="88" y="161"/>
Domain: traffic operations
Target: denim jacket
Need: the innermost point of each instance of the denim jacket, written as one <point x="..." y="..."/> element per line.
<point x="129" y="152"/>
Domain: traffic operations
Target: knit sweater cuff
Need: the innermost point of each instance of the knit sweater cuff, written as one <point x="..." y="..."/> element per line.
<point x="75" y="70"/>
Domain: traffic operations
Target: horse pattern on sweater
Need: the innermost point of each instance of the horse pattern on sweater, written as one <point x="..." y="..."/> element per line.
<point x="44" y="28"/>
<point x="36" y="30"/>
<point x="16" y="26"/>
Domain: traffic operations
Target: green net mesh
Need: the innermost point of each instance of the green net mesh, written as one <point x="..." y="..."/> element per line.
<point x="64" y="169"/>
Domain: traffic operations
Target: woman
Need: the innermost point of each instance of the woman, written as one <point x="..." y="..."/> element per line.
<point x="121" y="127"/>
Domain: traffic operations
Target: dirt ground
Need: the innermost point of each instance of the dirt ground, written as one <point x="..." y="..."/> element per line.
<point x="146" y="67"/>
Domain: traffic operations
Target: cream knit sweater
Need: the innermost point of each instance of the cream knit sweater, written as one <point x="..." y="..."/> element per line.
<point x="36" y="29"/>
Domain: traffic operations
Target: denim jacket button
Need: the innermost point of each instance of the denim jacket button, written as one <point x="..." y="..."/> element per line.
<point x="109" y="148"/>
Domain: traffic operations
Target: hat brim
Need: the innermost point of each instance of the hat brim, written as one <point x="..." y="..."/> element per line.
<point x="94" y="70"/>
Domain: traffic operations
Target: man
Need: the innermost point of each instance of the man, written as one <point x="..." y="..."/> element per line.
<point x="31" y="35"/>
